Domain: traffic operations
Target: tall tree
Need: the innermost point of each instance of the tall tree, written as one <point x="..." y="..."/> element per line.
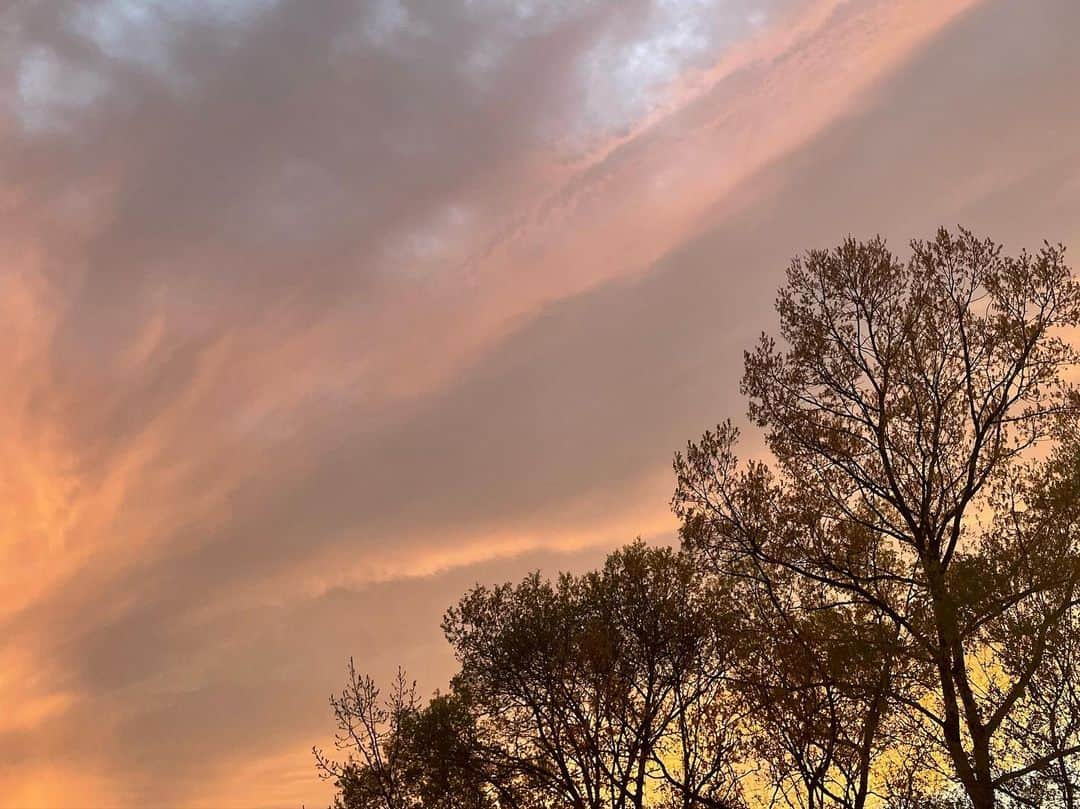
<point x="924" y="471"/>
<point x="607" y="690"/>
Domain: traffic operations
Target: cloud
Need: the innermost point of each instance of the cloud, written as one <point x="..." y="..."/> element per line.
<point x="317" y="318"/>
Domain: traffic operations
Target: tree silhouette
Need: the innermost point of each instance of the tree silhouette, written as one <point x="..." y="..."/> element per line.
<point x="904" y="408"/>
<point x="880" y="611"/>
<point x="606" y="690"/>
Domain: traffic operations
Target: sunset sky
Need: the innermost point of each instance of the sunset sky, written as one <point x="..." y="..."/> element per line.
<point x="315" y="313"/>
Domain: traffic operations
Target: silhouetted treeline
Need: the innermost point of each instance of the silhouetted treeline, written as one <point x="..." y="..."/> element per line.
<point x="882" y="613"/>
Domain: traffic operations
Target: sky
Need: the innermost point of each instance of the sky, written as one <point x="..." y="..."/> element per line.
<point x="315" y="313"/>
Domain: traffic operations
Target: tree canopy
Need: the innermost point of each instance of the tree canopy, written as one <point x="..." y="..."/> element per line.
<point x="881" y="611"/>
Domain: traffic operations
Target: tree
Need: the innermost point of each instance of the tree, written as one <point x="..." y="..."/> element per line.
<point x="605" y="690"/>
<point x="923" y="474"/>
<point x="405" y="755"/>
<point x="368" y="731"/>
